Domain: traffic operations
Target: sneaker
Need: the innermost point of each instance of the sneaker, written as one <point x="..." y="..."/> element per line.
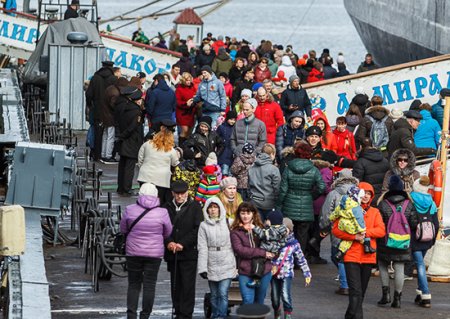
<point x="336" y="278"/>
<point x="109" y="161"/>
<point x="407" y="277"/>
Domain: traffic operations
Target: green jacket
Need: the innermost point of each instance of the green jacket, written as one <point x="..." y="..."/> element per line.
<point x="300" y="184"/>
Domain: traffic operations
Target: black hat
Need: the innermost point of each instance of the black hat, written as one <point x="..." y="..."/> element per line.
<point x="248" y="148"/>
<point x="131" y="92"/>
<point x="412" y="114"/>
<point x="444" y="92"/>
<point x="415" y="105"/>
<point x="141" y="75"/>
<point x="313" y="130"/>
<point x="275" y="217"/>
<point x="179" y="186"/>
<point x="207" y="120"/>
<point x="328" y="156"/>
<point x="396" y="183"/>
<point x="75" y="2"/>
<point x="231" y="115"/>
<point x="108" y="63"/>
<point x="246" y="42"/>
<point x="207" y="68"/>
<point x="360" y="99"/>
<point x="168" y="123"/>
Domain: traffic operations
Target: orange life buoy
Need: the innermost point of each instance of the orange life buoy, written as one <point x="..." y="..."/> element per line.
<point x="435" y="175"/>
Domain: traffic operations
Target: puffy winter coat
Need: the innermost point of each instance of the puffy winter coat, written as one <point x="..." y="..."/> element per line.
<point x="396" y="198"/>
<point x="287" y="67"/>
<point x="186" y="220"/>
<point x="161" y="103"/>
<point x="329" y="141"/>
<point x="224" y="131"/>
<point x="155" y="166"/>
<point x="286" y="135"/>
<point x="315" y="76"/>
<point x="189" y="172"/>
<point x="203" y="59"/>
<point x="329" y="72"/>
<point x="240" y="168"/>
<point x="423" y="203"/>
<point x="248" y="130"/>
<point x="146" y="239"/>
<point x="403" y="137"/>
<point x="408" y="174"/>
<point x="300" y="184"/>
<point x="222" y="63"/>
<point x="270" y="113"/>
<point x="345" y="142"/>
<point x="261" y="75"/>
<point x="371" y="167"/>
<point x="297" y="97"/>
<point x="215" y="253"/>
<point x="263" y="182"/>
<point x="377" y="113"/>
<point x="185" y="115"/>
<point x="327" y="177"/>
<point x="246" y="247"/>
<point x="437" y="112"/>
<point x="204" y="144"/>
<point x="212" y="93"/>
<point x="428" y="134"/>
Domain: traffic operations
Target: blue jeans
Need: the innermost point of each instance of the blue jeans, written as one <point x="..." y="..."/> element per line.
<point x="225" y="169"/>
<point x="281" y="288"/>
<point x="254" y="295"/>
<point x="219" y="297"/>
<point x="341" y="269"/>
<point x="418" y="256"/>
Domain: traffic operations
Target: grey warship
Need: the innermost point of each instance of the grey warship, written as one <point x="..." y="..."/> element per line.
<point x="399" y="31"/>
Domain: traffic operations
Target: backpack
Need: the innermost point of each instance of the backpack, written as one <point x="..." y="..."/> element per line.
<point x="379" y="134"/>
<point x="425" y="228"/>
<point x="398" y="233"/>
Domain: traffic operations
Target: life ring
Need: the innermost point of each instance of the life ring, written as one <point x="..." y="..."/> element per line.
<point x="435" y="175"/>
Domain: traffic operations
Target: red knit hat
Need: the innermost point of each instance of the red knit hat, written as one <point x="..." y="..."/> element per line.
<point x="209" y="170"/>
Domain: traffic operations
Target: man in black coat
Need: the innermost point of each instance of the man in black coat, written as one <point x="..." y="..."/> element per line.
<point x="129" y="135"/>
<point x="181" y="248"/>
<point x="95" y="103"/>
<point x="403" y="135"/>
<point x="295" y="98"/>
<point x="72" y="10"/>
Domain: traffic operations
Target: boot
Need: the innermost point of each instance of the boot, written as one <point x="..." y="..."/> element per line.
<point x="397" y="300"/>
<point x="418" y="297"/>
<point x="277" y="314"/>
<point x="367" y="248"/>
<point x="425" y="301"/>
<point x="386" y="298"/>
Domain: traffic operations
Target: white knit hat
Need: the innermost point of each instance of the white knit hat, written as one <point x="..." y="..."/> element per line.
<point x="421" y="184"/>
<point x="395" y="114"/>
<point x="148" y="189"/>
<point x="211" y="159"/>
<point x="340" y="58"/>
<point x="228" y="181"/>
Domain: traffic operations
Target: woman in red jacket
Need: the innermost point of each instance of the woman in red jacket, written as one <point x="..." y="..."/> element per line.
<point x="358" y="264"/>
<point x="185" y="110"/>
<point x="345" y="140"/>
<point x="327" y="140"/>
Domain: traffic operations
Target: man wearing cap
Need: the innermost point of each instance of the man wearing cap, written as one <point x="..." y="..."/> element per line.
<point x="160" y="104"/>
<point x="95" y="103"/>
<point x="211" y="93"/>
<point x="437" y="110"/>
<point x="72" y="10"/>
<point x="181" y="248"/>
<point x="403" y="135"/>
<point x="245" y="83"/>
<point x="248" y="130"/>
<point x="295" y="98"/>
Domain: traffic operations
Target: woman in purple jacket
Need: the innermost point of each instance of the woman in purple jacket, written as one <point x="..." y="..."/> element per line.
<point x="246" y="246"/>
<point x="144" y="248"/>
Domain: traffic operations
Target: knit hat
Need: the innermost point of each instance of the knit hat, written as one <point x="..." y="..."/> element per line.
<point x="289" y="224"/>
<point x="207" y="68"/>
<point x="148" y="189"/>
<point x="231" y="115"/>
<point x="228" y="181"/>
<point x="293" y="77"/>
<point x="395" y="114"/>
<point x="207" y="120"/>
<point x="340" y="58"/>
<point x="275" y="217"/>
<point x="246" y="92"/>
<point x="188" y="154"/>
<point x="248" y="148"/>
<point x="346" y="173"/>
<point x="355" y="193"/>
<point x="211" y="159"/>
<point x="421" y="184"/>
<point x="359" y="90"/>
<point x="396" y="183"/>
<point x="256" y="86"/>
<point x="328" y="156"/>
<point x="209" y="170"/>
<point x="252" y="102"/>
<point x="313" y="130"/>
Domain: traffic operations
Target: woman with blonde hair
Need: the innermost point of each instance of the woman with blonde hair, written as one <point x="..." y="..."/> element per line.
<point x="185" y="110"/>
<point x="155" y="159"/>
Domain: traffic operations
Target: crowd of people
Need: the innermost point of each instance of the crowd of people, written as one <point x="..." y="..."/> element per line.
<point x="257" y="180"/>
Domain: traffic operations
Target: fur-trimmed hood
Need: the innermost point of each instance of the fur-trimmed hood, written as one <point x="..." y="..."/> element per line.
<point x="321" y="164"/>
<point x="409" y="169"/>
<point x="344" y="182"/>
<point x="288" y="150"/>
<point x="377" y="112"/>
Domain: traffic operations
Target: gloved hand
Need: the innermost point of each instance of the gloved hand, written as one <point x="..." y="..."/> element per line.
<point x="204" y="275"/>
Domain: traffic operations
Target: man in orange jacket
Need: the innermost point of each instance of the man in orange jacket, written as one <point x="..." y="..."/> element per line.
<point x="358" y="264"/>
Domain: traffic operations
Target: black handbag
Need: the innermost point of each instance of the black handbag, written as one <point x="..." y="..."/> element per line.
<point x="120" y="240"/>
<point x="258" y="265"/>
